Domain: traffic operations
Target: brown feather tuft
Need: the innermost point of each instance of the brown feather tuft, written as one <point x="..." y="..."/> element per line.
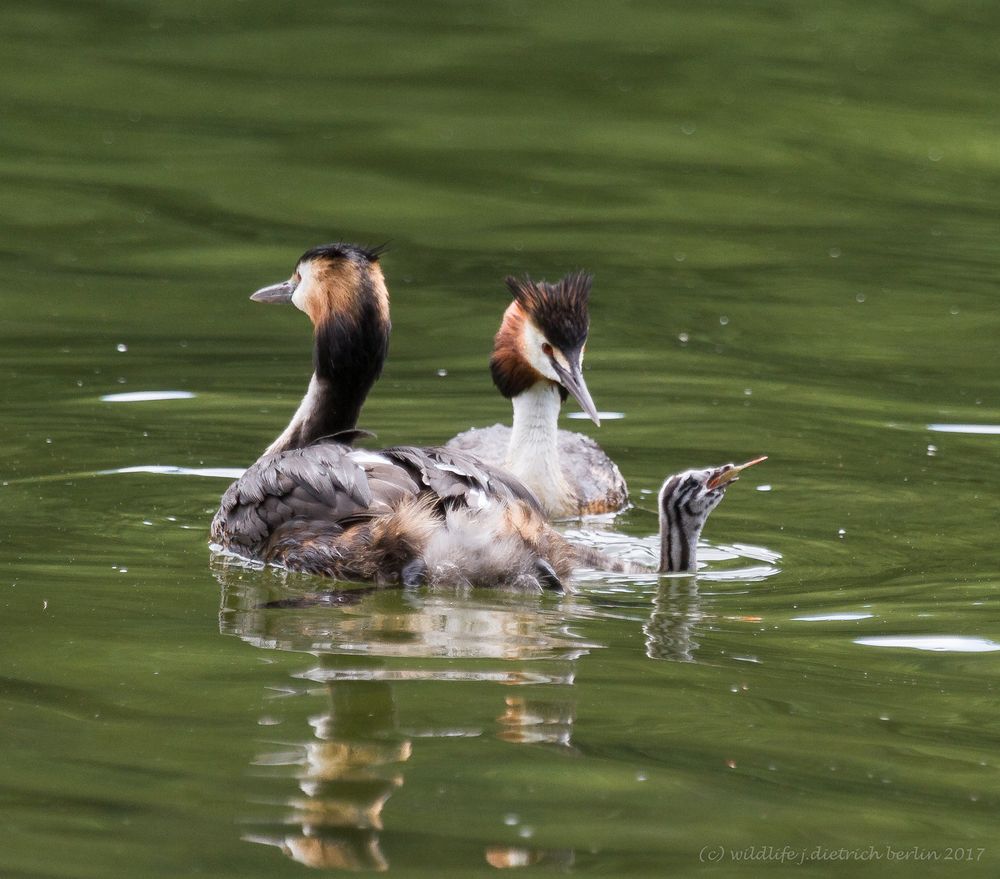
<point x="512" y="373"/>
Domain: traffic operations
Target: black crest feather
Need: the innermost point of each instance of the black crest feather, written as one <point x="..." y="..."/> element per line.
<point x="341" y="250"/>
<point x="559" y="310"/>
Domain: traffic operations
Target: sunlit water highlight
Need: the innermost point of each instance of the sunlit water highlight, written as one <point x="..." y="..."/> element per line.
<point x="983" y="429"/>
<point x="937" y="643"/>
<point x="146" y="396"/>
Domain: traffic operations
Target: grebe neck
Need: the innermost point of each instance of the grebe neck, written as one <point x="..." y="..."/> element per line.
<point x="678" y="545"/>
<point x="347" y="357"/>
<point x="533" y="452"/>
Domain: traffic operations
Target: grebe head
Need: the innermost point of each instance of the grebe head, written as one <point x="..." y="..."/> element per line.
<point x="685" y="502"/>
<point x="333" y="280"/>
<point x="342" y="289"/>
<point x="543" y="336"/>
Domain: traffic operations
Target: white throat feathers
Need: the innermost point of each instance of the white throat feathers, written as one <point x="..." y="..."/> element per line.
<point x="533" y="453"/>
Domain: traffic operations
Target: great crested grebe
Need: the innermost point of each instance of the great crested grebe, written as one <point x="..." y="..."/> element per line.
<point x="537" y="361"/>
<point x="684" y="503"/>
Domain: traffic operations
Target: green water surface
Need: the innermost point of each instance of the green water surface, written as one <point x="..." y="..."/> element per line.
<point x="791" y="213"/>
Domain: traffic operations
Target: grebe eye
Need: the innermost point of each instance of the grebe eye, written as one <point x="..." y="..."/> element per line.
<point x="546" y="349"/>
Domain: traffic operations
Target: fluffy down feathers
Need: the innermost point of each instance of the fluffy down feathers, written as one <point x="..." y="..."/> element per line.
<point x="399" y="515"/>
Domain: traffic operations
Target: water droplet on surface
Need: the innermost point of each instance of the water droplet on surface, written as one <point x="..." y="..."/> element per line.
<point x="682" y="338"/>
<point x="511" y="818"/>
<point x="121" y="347"/>
<point x="834" y="253"/>
<point x="680" y="257"/>
<point x="689" y="128"/>
<point x="442" y="373"/>
<point x="953" y="310"/>
<point x="860" y="297"/>
<point x="931" y="450"/>
<point x="723" y="319"/>
<point x="841" y="532"/>
<point x="935" y="155"/>
<point x="748" y="392"/>
<point x="764" y="487"/>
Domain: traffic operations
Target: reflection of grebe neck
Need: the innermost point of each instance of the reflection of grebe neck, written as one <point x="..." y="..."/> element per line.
<point x="533" y="452"/>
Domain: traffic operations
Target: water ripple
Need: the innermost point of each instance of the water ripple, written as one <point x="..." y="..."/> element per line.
<point x="146" y="396"/>
<point x="172" y="470"/>
<point x="988" y="429"/>
<point x="939" y="643"/>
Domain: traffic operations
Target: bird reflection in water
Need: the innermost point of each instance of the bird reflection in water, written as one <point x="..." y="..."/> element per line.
<point x="345" y="774"/>
<point x="537" y="722"/>
<point x="672" y="625"/>
<point x="364" y="649"/>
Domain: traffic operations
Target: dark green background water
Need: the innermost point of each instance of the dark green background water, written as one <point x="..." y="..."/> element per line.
<point x="791" y="213"/>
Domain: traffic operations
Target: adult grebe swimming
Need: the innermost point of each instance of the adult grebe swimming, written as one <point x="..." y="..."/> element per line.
<point x="537" y="361"/>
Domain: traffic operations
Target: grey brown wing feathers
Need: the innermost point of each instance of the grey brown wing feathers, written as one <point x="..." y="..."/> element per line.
<point x="317" y="483"/>
<point x="456" y="477"/>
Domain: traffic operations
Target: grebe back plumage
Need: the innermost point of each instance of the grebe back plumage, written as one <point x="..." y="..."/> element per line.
<point x="537" y="362"/>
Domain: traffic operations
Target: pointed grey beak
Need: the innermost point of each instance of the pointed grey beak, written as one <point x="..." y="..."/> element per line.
<point x="275" y="293"/>
<point x="572" y="380"/>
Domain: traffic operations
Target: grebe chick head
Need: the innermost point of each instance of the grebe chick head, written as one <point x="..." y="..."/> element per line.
<point x="334" y="281"/>
<point x="685" y="502"/>
<point x="542" y="338"/>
